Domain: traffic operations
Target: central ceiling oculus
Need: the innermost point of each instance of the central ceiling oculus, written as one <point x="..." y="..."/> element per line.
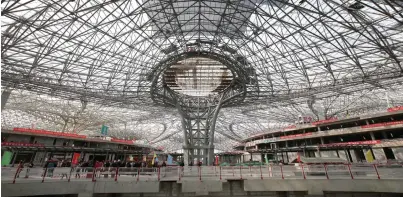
<point x="198" y="76"/>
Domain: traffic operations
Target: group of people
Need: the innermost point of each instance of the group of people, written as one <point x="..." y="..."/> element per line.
<point x="85" y="166"/>
<point x="120" y="164"/>
<point x="198" y="163"/>
<point x="109" y="166"/>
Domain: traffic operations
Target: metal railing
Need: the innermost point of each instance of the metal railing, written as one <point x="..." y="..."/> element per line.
<point x="172" y="173"/>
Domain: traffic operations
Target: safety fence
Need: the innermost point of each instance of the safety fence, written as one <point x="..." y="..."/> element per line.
<point x="178" y="173"/>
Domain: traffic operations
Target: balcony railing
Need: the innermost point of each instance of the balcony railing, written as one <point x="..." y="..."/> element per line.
<point x="177" y="173"/>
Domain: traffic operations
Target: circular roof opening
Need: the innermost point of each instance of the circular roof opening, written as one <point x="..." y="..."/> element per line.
<point x="198" y="76"/>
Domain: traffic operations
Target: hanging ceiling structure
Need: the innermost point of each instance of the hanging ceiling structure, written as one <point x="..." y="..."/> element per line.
<point x="319" y="58"/>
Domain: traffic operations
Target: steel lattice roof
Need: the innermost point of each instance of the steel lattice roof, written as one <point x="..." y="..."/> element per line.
<point x="315" y="57"/>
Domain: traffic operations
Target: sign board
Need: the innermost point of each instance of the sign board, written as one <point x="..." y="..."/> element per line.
<point x="6" y="158"/>
<point x="76" y="157"/>
<point x="104" y="130"/>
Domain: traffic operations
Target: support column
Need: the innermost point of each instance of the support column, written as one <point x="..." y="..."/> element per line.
<point x="319" y="154"/>
<point x="282" y="156"/>
<point x="372" y="152"/>
<point x="4" y="97"/>
<point x="50" y="155"/>
<point x="322" y="141"/>
<point x="15" y="158"/>
<point x="32" y="157"/>
<point x="348" y="155"/>
<point x="44" y="158"/>
<point x="372" y="135"/>
<point x="384" y="135"/>
<point x="186" y="156"/>
<point x="198" y="123"/>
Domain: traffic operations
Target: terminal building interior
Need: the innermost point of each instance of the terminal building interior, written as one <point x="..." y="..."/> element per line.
<point x="281" y="98"/>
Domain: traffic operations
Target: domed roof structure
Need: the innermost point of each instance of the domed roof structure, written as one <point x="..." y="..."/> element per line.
<point x="293" y="57"/>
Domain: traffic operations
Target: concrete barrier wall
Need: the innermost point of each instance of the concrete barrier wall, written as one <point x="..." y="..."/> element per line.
<point x="238" y="188"/>
<point x="398" y="153"/>
<point x="379" y="154"/>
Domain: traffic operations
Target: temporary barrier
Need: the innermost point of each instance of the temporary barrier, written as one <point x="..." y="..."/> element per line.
<point x="45" y="132"/>
<point x="382" y="124"/>
<point x="122" y="141"/>
<point x="324" y="121"/>
<point x="397" y="108"/>
<point x="367" y="142"/>
<point x="20" y="144"/>
<point x="295" y="136"/>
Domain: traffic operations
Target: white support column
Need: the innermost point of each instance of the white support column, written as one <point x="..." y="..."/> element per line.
<point x="186" y="156"/>
<point x="319" y="154"/>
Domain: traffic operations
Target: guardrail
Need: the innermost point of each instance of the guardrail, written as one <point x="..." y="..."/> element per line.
<point x="172" y="173"/>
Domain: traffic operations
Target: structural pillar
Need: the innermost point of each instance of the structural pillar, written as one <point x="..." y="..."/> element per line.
<point x="44" y="158"/>
<point x="15" y="158"/>
<point x="320" y="154"/>
<point x="372" y="152"/>
<point x="372" y="135"/>
<point x="32" y="157"/>
<point x="198" y="123"/>
<point x="384" y="135"/>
